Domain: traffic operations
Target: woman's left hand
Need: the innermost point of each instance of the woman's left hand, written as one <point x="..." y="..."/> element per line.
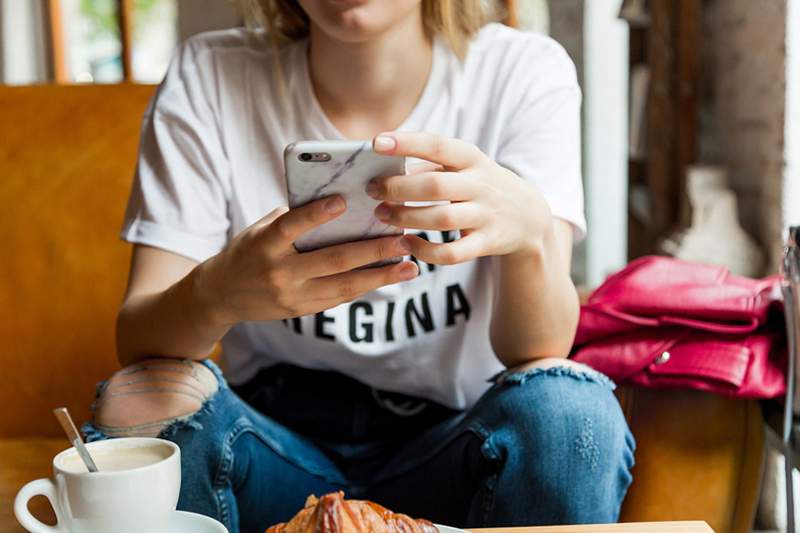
<point x="496" y="211"/>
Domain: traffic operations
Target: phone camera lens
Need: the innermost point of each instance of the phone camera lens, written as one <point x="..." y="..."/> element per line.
<point x="305" y="156"/>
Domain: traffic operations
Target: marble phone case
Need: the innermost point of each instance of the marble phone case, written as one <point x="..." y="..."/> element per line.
<point x="352" y="164"/>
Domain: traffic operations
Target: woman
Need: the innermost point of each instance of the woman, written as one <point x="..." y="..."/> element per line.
<point x="372" y="381"/>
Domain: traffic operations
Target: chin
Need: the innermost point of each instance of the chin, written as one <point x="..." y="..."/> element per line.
<point x="354" y="21"/>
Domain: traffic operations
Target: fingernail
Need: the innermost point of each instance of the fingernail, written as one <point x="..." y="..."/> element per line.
<point x="384" y="143"/>
<point x="382" y="213"/>
<point x="334" y="205"/>
<point x="408" y="270"/>
<point x="403" y="245"/>
<point x="372" y="189"/>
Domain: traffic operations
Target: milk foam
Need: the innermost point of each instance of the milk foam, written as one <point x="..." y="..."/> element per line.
<point x="111" y="459"/>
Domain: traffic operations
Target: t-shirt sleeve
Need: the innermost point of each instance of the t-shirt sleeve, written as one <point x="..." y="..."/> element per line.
<point x="180" y="191"/>
<point x="541" y="140"/>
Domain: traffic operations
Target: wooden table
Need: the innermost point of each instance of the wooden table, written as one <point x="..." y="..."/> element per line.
<point x="631" y="527"/>
<point x="23" y="460"/>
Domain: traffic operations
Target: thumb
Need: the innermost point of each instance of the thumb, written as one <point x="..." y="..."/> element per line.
<point x="273" y="215"/>
<point x="270" y="217"/>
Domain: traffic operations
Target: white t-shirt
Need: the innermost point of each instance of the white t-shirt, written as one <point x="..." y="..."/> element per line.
<point x="210" y="164"/>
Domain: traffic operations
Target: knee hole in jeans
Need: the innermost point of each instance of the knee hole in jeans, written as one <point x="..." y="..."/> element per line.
<point x="144" y="398"/>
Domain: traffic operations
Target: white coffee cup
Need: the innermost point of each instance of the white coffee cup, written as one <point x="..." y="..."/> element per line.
<point x="135" y="490"/>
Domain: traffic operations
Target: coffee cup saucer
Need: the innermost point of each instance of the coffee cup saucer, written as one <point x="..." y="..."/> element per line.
<point x="186" y="522"/>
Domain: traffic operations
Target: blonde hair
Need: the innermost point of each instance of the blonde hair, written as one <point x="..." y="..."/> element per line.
<point x="455" y="20"/>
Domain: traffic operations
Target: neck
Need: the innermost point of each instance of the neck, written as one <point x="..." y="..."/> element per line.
<point x="365" y="88"/>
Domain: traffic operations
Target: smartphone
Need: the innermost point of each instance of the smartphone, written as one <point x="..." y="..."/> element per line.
<point x="315" y="169"/>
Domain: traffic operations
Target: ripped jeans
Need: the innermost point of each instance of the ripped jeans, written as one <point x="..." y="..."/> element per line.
<point x="542" y="446"/>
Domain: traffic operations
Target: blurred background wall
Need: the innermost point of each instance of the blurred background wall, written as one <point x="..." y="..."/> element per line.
<point x="743" y="108"/>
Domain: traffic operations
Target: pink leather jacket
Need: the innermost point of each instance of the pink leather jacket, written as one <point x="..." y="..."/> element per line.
<point x="662" y="322"/>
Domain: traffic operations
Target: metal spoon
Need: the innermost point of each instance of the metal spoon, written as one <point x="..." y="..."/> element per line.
<point x="74" y="437"/>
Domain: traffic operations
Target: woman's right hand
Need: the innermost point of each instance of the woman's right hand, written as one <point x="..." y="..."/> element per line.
<point x="261" y="276"/>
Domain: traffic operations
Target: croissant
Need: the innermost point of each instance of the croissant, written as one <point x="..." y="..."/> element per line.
<point x="333" y="514"/>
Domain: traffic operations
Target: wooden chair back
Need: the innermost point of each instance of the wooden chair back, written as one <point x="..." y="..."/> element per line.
<point x="67" y="155"/>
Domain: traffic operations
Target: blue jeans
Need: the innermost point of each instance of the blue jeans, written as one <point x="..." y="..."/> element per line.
<point x="543" y="446"/>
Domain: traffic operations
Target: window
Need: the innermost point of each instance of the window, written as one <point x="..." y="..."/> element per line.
<point x="108" y="41"/>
